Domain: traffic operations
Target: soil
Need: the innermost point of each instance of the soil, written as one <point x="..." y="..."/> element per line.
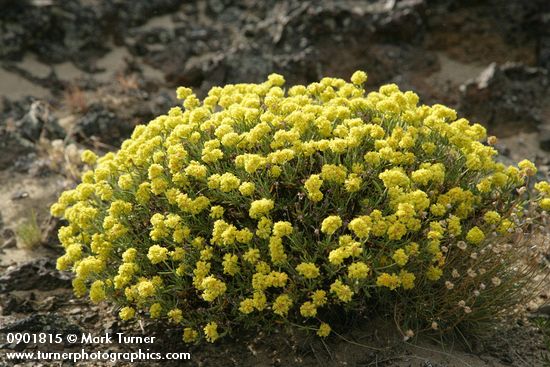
<point x="81" y="74"/>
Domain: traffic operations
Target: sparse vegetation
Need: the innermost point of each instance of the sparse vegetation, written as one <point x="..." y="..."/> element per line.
<point x="543" y="323"/>
<point x="29" y="232"/>
<point x="75" y="99"/>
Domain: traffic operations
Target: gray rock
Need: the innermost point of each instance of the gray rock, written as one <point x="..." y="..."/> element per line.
<point x="431" y="364"/>
<point x="543" y="31"/>
<point x="30" y="126"/>
<point x="35" y="274"/>
<point x="35" y="323"/>
<point x="39" y="121"/>
<point x="19" y="194"/>
<point x="9" y="243"/>
<point x="543" y="310"/>
<point x="50" y="227"/>
<point x="403" y="22"/>
<point x="8" y="233"/>
<point x="14" y="148"/>
<point x="507" y="98"/>
<point x="71" y="30"/>
<point x="11" y="304"/>
<point x="544" y="137"/>
<point x="103" y="124"/>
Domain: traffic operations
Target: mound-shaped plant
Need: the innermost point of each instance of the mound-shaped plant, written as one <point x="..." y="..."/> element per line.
<point x="262" y="205"/>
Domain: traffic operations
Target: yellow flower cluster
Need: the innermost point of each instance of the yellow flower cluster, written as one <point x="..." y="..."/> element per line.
<point x="157" y="254"/>
<point x="358" y="270"/>
<point x="313" y="186"/>
<point x="331" y="224"/>
<point x="263" y="203"/>
<point x="308" y="270"/>
<point x="260" y="208"/>
<point x="544" y="189"/>
<point x="475" y="236"/>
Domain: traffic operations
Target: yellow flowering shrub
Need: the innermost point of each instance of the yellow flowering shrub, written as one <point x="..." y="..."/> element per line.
<point x="264" y="204"/>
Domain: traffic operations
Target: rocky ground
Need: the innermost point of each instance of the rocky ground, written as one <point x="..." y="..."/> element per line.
<point x="82" y="73"/>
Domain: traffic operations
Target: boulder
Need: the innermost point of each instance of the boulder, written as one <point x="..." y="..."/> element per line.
<point x="39" y="274"/>
<point x="507" y="98"/>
